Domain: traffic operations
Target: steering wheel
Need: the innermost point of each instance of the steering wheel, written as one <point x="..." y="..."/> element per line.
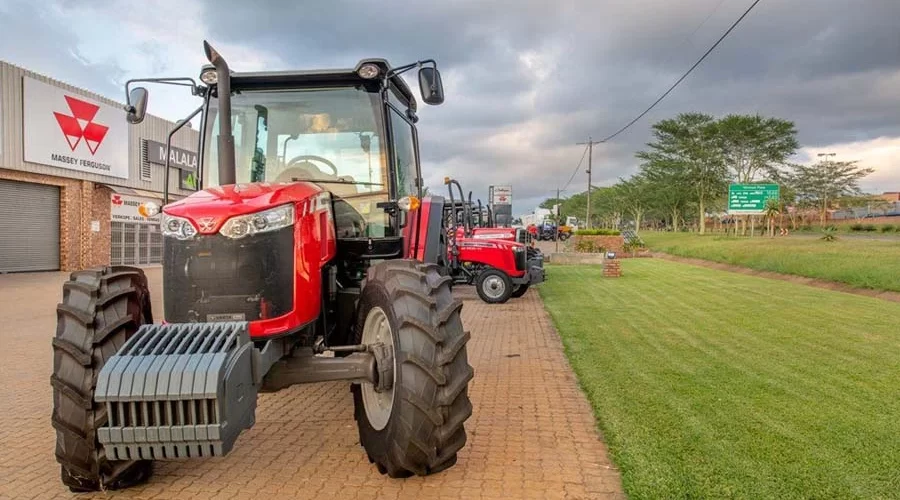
<point x="300" y="165"/>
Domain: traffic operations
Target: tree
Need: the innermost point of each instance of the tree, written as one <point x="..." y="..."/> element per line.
<point x="606" y="206"/>
<point x="754" y="147"/>
<point x="686" y="153"/>
<point x="634" y="195"/>
<point x="824" y="182"/>
<point x="549" y="202"/>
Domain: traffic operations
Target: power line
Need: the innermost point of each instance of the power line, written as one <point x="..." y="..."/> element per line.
<point x="576" y="168"/>
<point x="708" y="52"/>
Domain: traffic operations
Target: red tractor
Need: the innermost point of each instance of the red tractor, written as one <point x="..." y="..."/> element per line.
<point x="499" y="268"/>
<point x="484" y="226"/>
<point x="306" y="256"/>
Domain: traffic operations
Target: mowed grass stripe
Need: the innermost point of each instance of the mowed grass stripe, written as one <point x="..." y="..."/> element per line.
<point x="714" y="384"/>
<point x="859" y="262"/>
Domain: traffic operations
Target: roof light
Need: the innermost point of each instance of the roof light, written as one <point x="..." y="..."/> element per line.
<point x="368" y="71"/>
<point x="209" y="76"/>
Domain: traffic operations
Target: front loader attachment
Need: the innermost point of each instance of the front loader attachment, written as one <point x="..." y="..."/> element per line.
<point x="178" y="391"/>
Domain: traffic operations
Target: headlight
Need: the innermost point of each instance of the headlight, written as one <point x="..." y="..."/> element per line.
<point x="177" y="227"/>
<point x="260" y="222"/>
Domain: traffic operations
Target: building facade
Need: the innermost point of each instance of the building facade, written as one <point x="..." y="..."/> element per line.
<point x="73" y="173"/>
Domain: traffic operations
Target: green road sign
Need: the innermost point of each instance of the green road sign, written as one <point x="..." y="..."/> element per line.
<point x="750" y="198"/>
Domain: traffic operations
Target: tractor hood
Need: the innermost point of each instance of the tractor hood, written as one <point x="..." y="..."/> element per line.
<point x="494" y="233"/>
<point x="218" y="204"/>
<point x="479" y="242"/>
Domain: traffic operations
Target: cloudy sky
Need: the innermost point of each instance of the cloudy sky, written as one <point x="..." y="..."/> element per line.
<point x="525" y="79"/>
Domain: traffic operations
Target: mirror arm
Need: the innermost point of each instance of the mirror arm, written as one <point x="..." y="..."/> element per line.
<point x="403" y="69"/>
<point x="181" y="123"/>
<point x="179" y="81"/>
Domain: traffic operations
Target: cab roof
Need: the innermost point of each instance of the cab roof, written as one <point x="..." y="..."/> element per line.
<point x="260" y="80"/>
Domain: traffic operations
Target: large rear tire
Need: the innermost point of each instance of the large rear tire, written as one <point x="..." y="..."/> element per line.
<point x="422" y="429"/>
<point x="100" y="310"/>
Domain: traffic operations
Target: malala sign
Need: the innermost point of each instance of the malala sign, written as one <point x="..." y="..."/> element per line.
<point x="66" y="130"/>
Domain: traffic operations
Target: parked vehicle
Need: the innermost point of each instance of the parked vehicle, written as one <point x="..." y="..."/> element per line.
<point x="498" y="268"/>
<point x="285" y="268"/>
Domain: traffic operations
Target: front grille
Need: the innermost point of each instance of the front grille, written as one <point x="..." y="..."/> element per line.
<point x="215" y="278"/>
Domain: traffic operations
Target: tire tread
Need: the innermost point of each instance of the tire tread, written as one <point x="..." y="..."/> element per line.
<point x="434" y="406"/>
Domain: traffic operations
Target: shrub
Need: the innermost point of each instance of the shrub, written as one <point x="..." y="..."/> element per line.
<point x="856" y="227"/>
<point x="597" y="232"/>
<point x="829" y="233"/>
<point x="869" y="228"/>
<point x="588" y="246"/>
<point x="887" y="228"/>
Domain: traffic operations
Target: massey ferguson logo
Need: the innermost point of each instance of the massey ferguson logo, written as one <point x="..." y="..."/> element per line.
<point x="116" y="199"/>
<point x="80" y="125"/>
<point x="206" y="224"/>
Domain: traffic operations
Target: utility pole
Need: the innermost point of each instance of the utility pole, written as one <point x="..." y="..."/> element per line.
<point x="590" y="144"/>
<point x="557" y="220"/>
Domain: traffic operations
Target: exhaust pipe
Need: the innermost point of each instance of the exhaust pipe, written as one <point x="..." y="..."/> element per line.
<point x="225" y="139"/>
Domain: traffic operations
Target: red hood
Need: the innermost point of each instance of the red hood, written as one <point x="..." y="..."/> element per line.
<point x="481" y="241"/>
<point x="495" y="233"/>
<point x="223" y="202"/>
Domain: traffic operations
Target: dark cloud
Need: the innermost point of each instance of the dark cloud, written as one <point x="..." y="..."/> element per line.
<point x="527" y="79"/>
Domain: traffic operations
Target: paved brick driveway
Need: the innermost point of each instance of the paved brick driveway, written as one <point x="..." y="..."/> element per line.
<point x="531" y="434"/>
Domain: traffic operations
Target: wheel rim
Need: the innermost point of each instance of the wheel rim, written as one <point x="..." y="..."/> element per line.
<point x="493" y="286"/>
<point x="378" y="405"/>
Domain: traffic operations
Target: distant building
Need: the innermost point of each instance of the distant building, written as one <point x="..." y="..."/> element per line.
<point x="73" y="173"/>
<point x="890" y="196"/>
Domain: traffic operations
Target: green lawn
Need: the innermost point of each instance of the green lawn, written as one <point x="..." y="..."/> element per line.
<point x="858" y="262"/>
<point x="709" y="384"/>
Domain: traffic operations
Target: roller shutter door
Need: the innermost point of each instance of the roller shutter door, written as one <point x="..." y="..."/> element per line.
<point x="29" y="227"/>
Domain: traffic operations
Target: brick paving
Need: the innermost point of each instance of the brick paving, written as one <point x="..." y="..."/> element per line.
<point x="531" y="434"/>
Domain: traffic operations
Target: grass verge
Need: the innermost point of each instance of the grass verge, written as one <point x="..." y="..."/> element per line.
<point x="857" y="262"/>
<point x="708" y="384"/>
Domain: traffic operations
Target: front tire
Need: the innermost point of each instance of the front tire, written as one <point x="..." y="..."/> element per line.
<point x="421" y="429"/>
<point x="519" y="290"/>
<point x="493" y="286"/>
<point x="101" y="309"/>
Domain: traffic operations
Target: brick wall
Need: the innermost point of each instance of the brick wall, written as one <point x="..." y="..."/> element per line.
<point x="100" y="244"/>
<point x="80" y="202"/>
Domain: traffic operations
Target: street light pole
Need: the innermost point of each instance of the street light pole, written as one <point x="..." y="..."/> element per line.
<point x="824" y="217"/>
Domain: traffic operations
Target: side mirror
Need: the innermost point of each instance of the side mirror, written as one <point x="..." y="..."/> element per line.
<point x="137" y="105"/>
<point x="430" y="86"/>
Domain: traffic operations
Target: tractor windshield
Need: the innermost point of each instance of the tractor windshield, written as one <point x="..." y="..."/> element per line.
<point x="332" y="136"/>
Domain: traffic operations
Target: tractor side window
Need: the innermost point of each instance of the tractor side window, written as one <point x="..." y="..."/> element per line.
<point x="404" y="154"/>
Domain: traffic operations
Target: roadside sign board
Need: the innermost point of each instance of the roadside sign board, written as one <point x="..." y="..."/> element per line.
<point x="501" y="195"/>
<point x="750" y="198"/>
<point x="124" y="208"/>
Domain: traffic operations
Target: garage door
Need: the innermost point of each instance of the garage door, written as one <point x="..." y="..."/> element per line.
<point x="29" y="227"/>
